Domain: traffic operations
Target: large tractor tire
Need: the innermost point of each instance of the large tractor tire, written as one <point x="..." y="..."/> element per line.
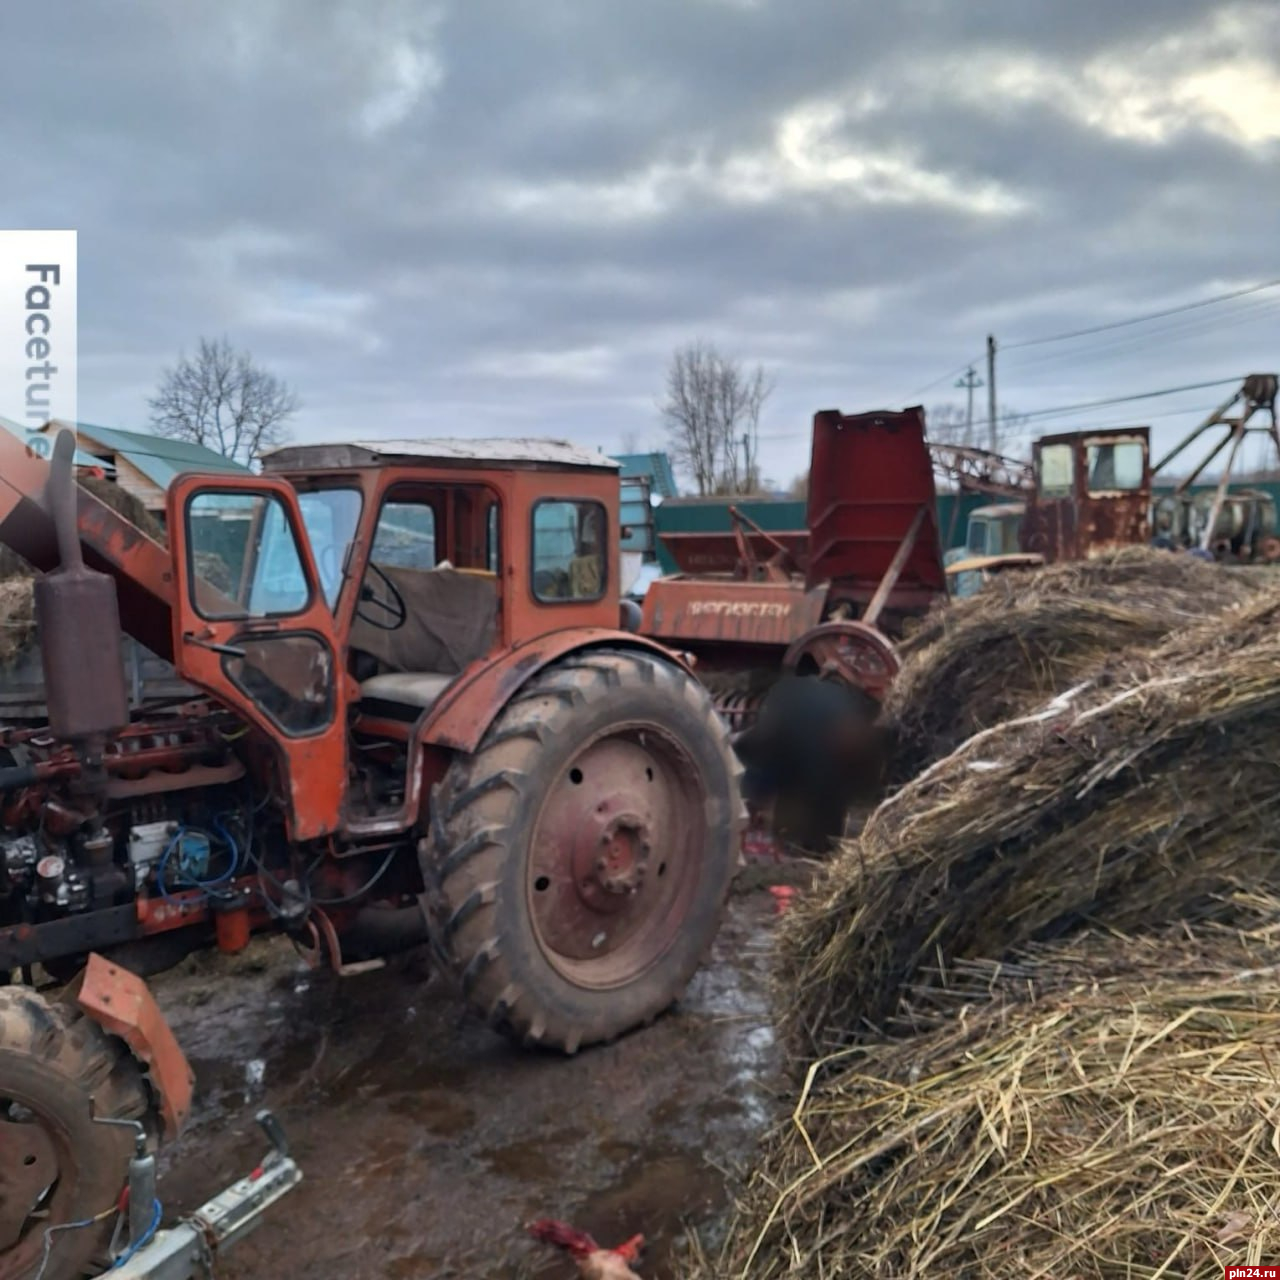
<point x="581" y="858"/>
<point x="59" y="1070"/>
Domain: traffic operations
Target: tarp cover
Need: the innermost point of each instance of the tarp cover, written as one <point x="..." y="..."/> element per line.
<point x="450" y="619"/>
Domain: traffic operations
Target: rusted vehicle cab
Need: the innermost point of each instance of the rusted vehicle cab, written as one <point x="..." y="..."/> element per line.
<point x="1092" y="493"/>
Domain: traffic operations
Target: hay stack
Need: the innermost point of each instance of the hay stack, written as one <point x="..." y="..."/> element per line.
<point x="1124" y="1126"/>
<point x="1144" y="799"/>
<point x="1025" y="637"/>
<point x="17" y="611"/>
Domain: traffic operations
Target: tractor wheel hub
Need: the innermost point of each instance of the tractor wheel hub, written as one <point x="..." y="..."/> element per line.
<point x="611" y="856"/>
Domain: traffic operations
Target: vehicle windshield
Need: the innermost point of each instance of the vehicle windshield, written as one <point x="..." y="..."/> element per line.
<point x="330" y="517"/>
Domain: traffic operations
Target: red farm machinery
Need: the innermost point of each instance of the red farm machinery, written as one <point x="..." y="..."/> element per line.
<point x="408" y="712"/>
<point x="793" y="632"/>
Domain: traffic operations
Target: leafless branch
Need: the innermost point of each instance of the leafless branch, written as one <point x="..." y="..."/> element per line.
<point x="712" y="415"/>
<point x="220" y="399"/>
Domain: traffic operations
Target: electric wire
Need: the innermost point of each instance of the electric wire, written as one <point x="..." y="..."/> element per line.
<point x="148" y="1235"/>
<point x="1142" y="319"/>
<point x="50" y="1232"/>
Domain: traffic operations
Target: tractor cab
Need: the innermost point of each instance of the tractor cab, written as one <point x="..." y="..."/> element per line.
<point x="1092" y="493"/>
<point x="361" y="586"/>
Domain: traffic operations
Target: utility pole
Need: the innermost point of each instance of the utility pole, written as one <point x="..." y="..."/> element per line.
<point x="993" y="435"/>
<point x="970" y="382"/>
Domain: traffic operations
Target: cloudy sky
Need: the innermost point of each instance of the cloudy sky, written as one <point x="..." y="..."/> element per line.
<point x="500" y="216"/>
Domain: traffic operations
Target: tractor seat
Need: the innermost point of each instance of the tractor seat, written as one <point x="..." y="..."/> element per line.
<point x="402" y="695"/>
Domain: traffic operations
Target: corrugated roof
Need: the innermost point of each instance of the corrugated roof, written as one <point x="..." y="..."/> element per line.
<point x="82" y="459"/>
<point x="657" y="466"/>
<point x="158" y="458"/>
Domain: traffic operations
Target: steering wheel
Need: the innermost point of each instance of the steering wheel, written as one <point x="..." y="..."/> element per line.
<point x="394" y="607"/>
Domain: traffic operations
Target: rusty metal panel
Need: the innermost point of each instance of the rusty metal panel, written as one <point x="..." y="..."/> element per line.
<point x="467" y="707"/>
<point x="869" y="476"/>
<point x="718" y="552"/>
<point x="121" y="1003"/>
<point x="1091" y="518"/>
<point x="702" y="611"/>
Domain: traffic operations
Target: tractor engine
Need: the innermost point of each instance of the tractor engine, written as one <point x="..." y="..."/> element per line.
<point x="162" y="810"/>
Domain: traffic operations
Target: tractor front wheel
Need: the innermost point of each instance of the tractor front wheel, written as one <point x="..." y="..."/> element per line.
<point x="60" y="1074"/>
<point x="581" y="858"/>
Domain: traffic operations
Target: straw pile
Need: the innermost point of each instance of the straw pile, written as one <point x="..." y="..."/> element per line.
<point x="1071" y="1125"/>
<point x="1027" y="636"/>
<point x="1034" y="1010"/>
<point x="17" y="613"/>
<point x="1134" y="801"/>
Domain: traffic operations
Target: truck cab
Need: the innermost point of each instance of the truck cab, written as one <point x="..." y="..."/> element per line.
<point x="992" y="545"/>
<point x="1092" y="493"/>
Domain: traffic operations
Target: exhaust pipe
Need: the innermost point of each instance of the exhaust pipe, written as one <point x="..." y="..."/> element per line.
<point x="78" y="618"/>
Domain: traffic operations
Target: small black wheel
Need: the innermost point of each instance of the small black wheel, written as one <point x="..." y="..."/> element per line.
<point x="58" y="1070"/>
<point x="581" y="858"/>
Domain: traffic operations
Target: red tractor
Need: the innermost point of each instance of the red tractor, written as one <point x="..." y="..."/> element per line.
<point x="413" y="715"/>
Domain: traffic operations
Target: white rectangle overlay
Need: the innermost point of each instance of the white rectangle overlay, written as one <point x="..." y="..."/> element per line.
<point x="38" y="329"/>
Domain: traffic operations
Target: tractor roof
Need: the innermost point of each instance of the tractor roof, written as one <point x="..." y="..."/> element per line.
<point x="521" y="454"/>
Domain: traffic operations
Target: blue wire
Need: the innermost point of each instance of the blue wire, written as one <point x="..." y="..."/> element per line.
<point x="147" y="1236"/>
<point x="194" y="881"/>
<point x="164" y="863"/>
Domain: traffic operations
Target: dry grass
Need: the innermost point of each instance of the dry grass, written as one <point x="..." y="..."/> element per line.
<point x="1025" y="637"/>
<point x="1053" y="1123"/>
<point x="17" y="618"/>
<point x="17" y="614"/>
<point x="1034" y="1009"/>
<point x="1142" y="798"/>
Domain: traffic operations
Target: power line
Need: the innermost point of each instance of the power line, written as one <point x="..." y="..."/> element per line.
<point x="1161" y="336"/>
<point x="1142" y="319"/>
<point x="1141" y="395"/>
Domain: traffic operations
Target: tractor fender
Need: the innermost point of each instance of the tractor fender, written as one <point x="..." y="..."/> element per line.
<point x="122" y="1005"/>
<point x="466" y="710"/>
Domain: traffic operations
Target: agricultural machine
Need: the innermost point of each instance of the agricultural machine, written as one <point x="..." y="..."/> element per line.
<point x="411" y="715"/>
<point x="763" y="614"/>
<point x="1088" y="491"/>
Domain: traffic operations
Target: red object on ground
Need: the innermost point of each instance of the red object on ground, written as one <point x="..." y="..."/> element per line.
<point x="594" y="1262"/>
<point x="782" y="895"/>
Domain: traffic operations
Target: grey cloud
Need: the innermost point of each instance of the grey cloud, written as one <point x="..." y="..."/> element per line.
<point x="428" y="216"/>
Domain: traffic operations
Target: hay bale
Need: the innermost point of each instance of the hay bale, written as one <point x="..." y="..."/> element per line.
<point x="1148" y="797"/>
<point x="1122" y="1126"/>
<point x="1027" y="636"/>
<point x="17" y="611"/>
<point x="17" y="619"/>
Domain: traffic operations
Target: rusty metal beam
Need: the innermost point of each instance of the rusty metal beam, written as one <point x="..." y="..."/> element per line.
<point x="894" y="571"/>
<point x="141" y="567"/>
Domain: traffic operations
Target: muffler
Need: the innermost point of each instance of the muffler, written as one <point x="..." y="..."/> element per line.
<point x="78" y="618"/>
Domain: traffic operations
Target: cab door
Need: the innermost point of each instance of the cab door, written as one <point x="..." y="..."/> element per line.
<point x="251" y="626"/>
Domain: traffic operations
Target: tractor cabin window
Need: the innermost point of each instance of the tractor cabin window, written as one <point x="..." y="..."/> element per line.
<point x="1115" y="465"/>
<point x="245" y="563"/>
<point x="569" y="548"/>
<point x="243" y="557"/>
<point x="406" y="535"/>
<point x="1054" y="466"/>
<point x="330" y="517"/>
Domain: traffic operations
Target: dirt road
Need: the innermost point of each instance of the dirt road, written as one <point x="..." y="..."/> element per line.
<point x="426" y="1141"/>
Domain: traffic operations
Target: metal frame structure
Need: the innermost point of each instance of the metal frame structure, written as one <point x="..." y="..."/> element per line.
<point x="1256" y="394"/>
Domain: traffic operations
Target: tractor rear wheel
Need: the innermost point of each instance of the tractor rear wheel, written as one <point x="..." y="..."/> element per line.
<point x="58" y="1070"/>
<point x="581" y="858"/>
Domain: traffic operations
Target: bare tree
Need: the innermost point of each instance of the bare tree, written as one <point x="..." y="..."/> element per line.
<point x="712" y="415"/>
<point x="220" y="399"/>
<point x="799" y="486"/>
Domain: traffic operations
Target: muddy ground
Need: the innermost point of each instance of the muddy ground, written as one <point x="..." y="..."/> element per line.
<point x="426" y="1141"/>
